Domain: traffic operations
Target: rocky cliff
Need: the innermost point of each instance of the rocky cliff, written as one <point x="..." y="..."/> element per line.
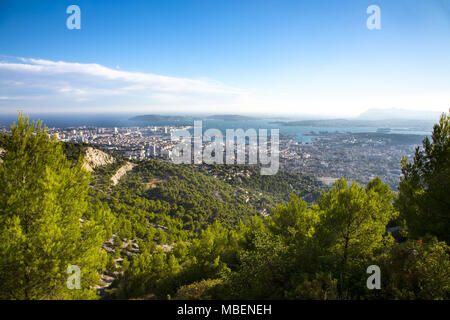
<point x="121" y="172"/>
<point x="96" y="158"/>
<point x="2" y="151"/>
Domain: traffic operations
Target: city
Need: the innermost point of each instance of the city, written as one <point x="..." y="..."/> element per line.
<point x="357" y="156"/>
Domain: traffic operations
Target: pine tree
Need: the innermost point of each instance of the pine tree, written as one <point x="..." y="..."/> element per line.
<point x="43" y="200"/>
<point x="354" y="219"/>
<point x="424" y="200"/>
<point x="353" y="228"/>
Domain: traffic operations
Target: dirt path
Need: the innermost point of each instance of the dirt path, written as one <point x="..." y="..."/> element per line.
<point x="121" y="172"/>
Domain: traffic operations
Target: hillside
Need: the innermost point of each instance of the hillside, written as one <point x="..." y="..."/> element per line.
<point x="160" y="203"/>
<point x="189" y="198"/>
<point x="164" y="231"/>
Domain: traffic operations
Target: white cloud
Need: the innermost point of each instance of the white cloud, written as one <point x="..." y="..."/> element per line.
<point x="37" y="85"/>
<point x="78" y="86"/>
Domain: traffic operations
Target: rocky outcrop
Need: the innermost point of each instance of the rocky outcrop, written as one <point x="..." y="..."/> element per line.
<point x="129" y="248"/>
<point x="96" y="158"/>
<point x="2" y="151"/>
<point x="165" y="247"/>
<point x="121" y="172"/>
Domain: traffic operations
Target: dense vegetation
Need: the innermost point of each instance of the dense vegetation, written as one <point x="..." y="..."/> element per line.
<point x="198" y="232"/>
<point x="424" y="199"/>
<point x="298" y="252"/>
<point x="46" y="219"/>
<point x="267" y="189"/>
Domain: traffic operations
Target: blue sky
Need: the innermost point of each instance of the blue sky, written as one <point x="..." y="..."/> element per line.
<point x="245" y="56"/>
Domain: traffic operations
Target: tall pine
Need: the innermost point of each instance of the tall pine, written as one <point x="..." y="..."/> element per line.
<point x="424" y="200"/>
<point x="43" y="199"/>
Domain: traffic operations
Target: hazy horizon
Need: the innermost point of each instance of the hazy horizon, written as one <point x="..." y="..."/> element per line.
<point x="408" y="113"/>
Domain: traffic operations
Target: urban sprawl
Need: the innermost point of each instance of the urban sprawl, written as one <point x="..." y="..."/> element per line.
<point x="356" y="156"/>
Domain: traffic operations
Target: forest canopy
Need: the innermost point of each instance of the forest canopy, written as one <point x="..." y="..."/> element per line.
<point x="170" y="231"/>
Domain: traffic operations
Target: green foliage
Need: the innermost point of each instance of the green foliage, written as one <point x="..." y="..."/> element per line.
<point x="199" y="233"/>
<point x="266" y="190"/>
<point x="110" y="264"/>
<point x="74" y="151"/>
<point x="163" y="273"/>
<point x="354" y="219"/>
<point x="200" y="197"/>
<point x="43" y="199"/>
<point x="318" y="252"/>
<point x="197" y="290"/>
<point x="298" y="252"/>
<point x="424" y="189"/>
<point x="416" y="270"/>
<point x="293" y="221"/>
<point x="145" y="273"/>
<point x="264" y="271"/>
<point x="317" y="286"/>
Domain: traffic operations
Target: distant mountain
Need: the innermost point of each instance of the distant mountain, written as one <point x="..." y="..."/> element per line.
<point x="175" y="118"/>
<point x="398" y="114"/>
<point x="383" y="118"/>
<point x="231" y="117"/>
<point x="157" y="117"/>
<point x="425" y="125"/>
<point x="344" y="123"/>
